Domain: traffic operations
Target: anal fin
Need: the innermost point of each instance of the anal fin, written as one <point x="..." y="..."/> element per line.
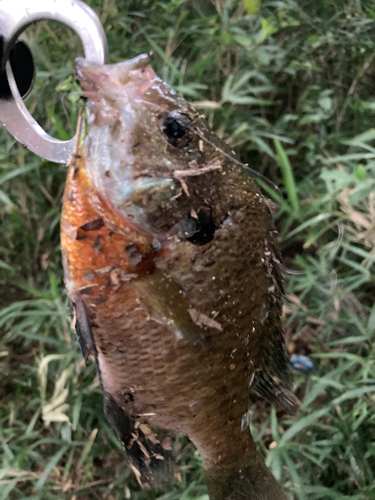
<point x="148" y="452"/>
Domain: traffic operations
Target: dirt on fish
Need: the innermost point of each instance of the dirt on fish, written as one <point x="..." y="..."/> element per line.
<point x="173" y="274"/>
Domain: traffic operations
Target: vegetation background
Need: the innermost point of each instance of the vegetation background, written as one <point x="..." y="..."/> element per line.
<point x="290" y="85"/>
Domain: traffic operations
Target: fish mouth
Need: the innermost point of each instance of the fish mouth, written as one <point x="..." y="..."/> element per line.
<point x="114" y="77"/>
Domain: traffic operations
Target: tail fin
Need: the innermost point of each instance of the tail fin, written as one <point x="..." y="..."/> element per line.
<point x="244" y="482"/>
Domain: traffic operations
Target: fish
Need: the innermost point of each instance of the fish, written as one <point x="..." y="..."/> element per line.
<point x="174" y="280"/>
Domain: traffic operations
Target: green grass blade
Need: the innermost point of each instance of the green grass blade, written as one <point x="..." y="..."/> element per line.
<point x="287" y="173"/>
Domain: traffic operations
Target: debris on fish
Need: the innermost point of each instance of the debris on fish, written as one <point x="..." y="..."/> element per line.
<point x="172" y="270"/>
<point x="301" y="363"/>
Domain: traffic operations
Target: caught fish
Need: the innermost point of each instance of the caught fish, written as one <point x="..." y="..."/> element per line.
<point x="173" y="276"/>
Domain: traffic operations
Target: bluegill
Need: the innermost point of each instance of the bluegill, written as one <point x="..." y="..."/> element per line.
<point x="174" y="279"/>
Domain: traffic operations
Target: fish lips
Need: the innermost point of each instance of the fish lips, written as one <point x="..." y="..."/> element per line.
<point x="113" y="78"/>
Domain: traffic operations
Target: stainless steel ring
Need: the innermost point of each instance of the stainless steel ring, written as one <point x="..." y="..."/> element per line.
<point x="15" y="17"/>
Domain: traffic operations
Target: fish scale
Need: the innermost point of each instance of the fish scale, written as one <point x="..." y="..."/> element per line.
<point x="174" y="282"/>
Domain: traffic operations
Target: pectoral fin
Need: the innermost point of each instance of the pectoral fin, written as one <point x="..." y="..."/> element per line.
<point x="165" y="300"/>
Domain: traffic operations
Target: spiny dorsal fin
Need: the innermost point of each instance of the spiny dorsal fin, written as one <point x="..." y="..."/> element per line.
<point x="272" y="378"/>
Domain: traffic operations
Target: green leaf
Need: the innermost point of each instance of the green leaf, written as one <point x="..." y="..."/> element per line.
<point x="360" y="172"/>
<point x="252" y="6"/>
<point x="15" y="172"/>
<point x="287" y="173"/>
<point x="51" y="464"/>
<point x="86" y="450"/>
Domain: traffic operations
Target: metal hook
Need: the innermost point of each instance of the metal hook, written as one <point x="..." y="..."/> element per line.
<point x="15" y="17"/>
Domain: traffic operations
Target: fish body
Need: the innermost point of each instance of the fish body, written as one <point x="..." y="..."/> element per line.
<point x="172" y="271"/>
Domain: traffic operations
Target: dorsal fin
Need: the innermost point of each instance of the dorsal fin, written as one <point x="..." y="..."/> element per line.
<point x="273" y="381"/>
<point x="272" y="378"/>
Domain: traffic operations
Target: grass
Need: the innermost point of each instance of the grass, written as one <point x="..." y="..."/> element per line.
<point x="291" y="88"/>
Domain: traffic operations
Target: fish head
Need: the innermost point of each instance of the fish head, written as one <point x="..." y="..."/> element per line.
<point x="148" y="152"/>
<point x="116" y="84"/>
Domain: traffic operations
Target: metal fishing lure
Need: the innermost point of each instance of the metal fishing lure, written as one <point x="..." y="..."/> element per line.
<point x="17" y="70"/>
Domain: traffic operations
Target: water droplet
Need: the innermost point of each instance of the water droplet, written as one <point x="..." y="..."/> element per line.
<point x="196" y="406"/>
<point x="252" y="376"/>
<point x="156" y="245"/>
<point x="245" y="422"/>
<point x="228" y="221"/>
<point x="251" y="381"/>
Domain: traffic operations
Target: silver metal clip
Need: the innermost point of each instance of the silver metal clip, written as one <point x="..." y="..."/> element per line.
<point x="15" y="17"/>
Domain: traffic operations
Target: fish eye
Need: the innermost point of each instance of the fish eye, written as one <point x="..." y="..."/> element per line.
<point x="176" y="129"/>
